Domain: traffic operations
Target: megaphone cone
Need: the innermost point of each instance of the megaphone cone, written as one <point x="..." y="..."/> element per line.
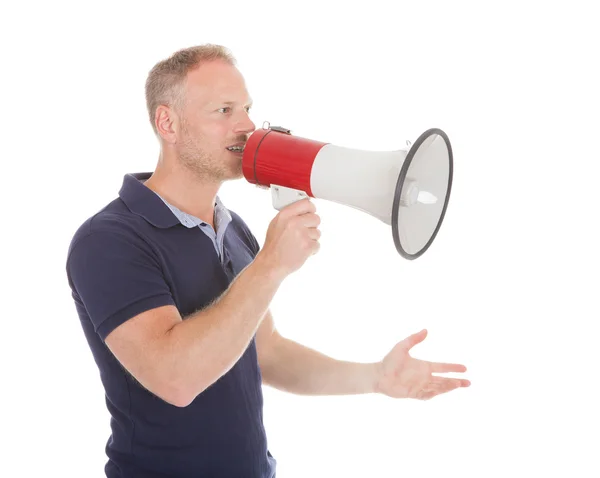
<point x="406" y="189"/>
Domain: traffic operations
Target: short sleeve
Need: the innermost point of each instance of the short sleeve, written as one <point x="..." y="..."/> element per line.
<point x="115" y="279"/>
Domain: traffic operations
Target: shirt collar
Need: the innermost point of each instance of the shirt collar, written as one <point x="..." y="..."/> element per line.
<point x="222" y="216"/>
<point x="144" y="202"/>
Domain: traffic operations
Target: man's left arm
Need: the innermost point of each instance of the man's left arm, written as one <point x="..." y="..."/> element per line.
<point x="295" y="368"/>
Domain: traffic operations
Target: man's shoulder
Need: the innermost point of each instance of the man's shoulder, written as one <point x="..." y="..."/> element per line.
<point x="114" y="219"/>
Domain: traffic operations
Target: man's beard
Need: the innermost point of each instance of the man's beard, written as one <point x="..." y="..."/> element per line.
<point x="204" y="165"/>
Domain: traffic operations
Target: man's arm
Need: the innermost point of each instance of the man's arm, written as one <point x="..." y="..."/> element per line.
<point x="178" y="359"/>
<point x="291" y="367"/>
<point x="295" y="368"/>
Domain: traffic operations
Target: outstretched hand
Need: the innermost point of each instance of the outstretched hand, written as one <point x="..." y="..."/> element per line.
<point x="402" y="376"/>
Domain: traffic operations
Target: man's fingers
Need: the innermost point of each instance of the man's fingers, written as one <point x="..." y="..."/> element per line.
<point x="415" y="339"/>
<point x="449" y="383"/>
<point x="439" y="385"/>
<point x="297" y="208"/>
<point x="310" y="220"/>
<point x="314" y="234"/>
<point x="439" y="367"/>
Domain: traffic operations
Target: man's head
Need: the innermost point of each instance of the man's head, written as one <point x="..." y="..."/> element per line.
<point x="198" y="107"/>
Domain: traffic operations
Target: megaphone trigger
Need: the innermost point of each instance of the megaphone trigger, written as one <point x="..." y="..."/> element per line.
<point x="283" y="196"/>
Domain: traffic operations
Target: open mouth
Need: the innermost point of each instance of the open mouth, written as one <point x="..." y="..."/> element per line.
<point x="236" y="149"/>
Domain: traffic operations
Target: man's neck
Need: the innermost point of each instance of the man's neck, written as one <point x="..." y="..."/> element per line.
<point x="185" y="191"/>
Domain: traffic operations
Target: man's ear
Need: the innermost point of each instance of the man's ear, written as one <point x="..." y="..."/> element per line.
<point x="167" y="123"/>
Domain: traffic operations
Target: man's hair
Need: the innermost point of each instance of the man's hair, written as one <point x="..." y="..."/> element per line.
<point x="165" y="82"/>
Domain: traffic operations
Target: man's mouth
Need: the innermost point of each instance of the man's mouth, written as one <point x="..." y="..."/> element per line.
<point x="238" y="148"/>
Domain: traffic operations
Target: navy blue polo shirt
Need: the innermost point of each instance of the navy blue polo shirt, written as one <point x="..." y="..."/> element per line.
<point x="135" y="255"/>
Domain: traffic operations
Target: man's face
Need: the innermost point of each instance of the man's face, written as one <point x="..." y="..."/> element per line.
<point x="214" y="118"/>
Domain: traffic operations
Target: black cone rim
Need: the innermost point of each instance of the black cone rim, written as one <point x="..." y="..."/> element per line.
<point x="400" y="183"/>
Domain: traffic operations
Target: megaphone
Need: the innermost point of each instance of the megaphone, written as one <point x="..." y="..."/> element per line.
<point x="408" y="189"/>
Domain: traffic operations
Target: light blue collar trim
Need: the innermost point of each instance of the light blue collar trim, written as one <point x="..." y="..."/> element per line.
<point x="222" y="215"/>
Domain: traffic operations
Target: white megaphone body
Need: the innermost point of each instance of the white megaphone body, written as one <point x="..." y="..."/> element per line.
<point x="406" y="189"/>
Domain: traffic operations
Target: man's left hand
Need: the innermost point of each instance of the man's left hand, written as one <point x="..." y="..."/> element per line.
<point x="402" y="376"/>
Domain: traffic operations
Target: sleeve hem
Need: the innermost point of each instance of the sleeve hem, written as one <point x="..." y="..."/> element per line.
<point x="136" y="308"/>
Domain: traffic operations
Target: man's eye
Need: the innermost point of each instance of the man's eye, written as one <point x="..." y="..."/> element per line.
<point x="224" y="110"/>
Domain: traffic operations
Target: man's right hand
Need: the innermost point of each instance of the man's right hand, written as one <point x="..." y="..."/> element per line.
<point x="292" y="237"/>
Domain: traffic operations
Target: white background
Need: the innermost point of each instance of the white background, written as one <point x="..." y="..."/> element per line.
<point x="509" y="287"/>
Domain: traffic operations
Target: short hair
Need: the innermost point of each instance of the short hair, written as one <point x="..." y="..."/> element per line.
<point x="164" y="85"/>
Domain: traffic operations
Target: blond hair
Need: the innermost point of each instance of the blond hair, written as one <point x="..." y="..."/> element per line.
<point x="164" y="85"/>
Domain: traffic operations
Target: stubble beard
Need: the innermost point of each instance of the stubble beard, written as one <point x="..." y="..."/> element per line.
<point x="204" y="165"/>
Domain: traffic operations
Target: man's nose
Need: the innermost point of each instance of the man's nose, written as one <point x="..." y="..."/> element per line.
<point x="245" y="124"/>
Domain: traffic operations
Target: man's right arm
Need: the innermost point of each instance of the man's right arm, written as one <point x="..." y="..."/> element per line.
<point x="177" y="359"/>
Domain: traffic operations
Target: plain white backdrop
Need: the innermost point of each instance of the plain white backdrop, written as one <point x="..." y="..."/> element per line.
<point x="509" y="287"/>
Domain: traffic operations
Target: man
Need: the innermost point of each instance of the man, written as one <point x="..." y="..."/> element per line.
<point x="173" y="295"/>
